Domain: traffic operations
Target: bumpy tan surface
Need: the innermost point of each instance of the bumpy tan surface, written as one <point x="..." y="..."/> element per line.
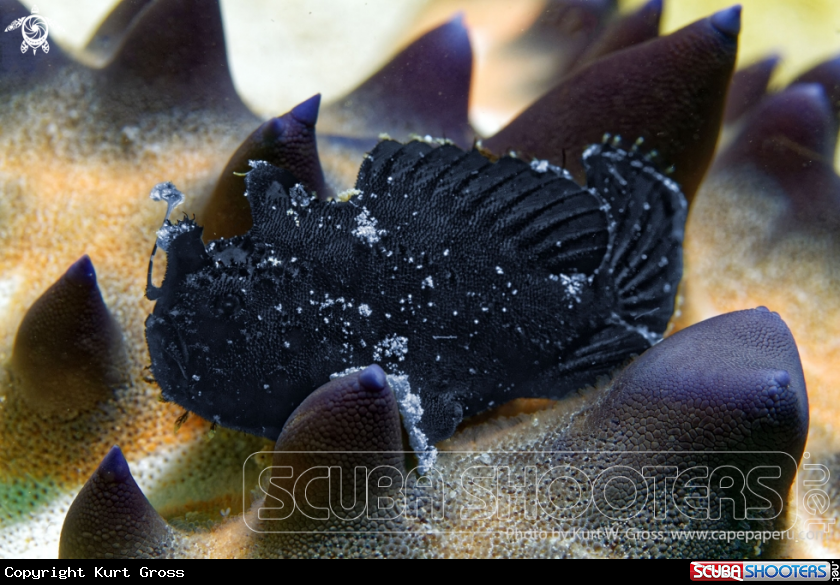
<point x="63" y="195"/>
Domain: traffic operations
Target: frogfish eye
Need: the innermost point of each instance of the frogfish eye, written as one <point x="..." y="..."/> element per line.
<point x="228" y="305"/>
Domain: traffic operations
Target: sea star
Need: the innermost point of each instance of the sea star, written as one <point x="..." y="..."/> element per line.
<point x="73" y="140"/>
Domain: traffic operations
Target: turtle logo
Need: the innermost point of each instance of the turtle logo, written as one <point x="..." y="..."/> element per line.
<point x="35" y="29"/>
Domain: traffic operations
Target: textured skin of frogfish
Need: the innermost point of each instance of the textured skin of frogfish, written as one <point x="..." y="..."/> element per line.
<point x="437" y="249"/>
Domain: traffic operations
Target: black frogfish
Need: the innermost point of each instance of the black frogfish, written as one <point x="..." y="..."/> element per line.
<point x="470" y="282"/>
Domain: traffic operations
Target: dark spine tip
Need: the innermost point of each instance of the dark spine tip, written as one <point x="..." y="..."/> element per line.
<point x="730" y="390"/>
<point x="288" y="142"/>
<point x="782" y="378"/>
<point x="728" y="360"/>
<point x="791" y="139"/>
<point x="347" y="413"/>
<point x="373" y="378"/>
<point x="457" y="29"/>
<point x="307" y="111"/>
<point x="344" y="424"/>
<point x="826" y="74"/>
<point x="114" y="468"/>
<point x="111" y="518"/>
<point x="676" y="83"/>
<point x="728" y="21"/>
<point x="810" y="92"/>
<point x="727" y="396"/>
<point x="790" y="136"/>
<point x="81" y="272"/>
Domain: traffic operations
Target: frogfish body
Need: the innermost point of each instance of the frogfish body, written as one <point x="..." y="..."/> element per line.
<point x="470" y="282"/>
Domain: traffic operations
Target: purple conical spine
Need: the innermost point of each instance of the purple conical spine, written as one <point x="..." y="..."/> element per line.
<point x="69" y="352"/>
<point x="640" y="92"/>
<point x="288" y="142"/>
<point x="111" y="518"/>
